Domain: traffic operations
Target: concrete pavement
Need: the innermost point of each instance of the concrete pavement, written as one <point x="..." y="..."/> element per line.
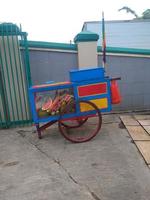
<point x="109" y="167"/>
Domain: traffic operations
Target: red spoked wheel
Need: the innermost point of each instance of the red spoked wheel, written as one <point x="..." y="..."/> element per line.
<point x="82" y="128"/>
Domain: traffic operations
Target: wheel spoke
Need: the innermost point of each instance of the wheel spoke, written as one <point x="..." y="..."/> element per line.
<point x="81" y="129"/>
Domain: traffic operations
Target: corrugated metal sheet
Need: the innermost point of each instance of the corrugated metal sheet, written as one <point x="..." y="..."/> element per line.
<point x="14" y="78"/>
<point x="125" y="34"/>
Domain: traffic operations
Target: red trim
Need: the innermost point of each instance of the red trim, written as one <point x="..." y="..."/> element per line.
<point x="92" y="89"/>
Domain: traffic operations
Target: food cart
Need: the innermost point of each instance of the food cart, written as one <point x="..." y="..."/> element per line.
<point x="76" y="105"/>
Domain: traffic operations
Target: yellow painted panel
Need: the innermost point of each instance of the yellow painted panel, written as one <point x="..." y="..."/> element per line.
<point x="100" y="103"/>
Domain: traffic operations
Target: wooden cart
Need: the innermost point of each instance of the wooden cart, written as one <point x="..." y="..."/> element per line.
<point x="75" y="105"/>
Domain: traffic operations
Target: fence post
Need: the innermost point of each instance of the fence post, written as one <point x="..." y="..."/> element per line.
<point x="87" y="49"/>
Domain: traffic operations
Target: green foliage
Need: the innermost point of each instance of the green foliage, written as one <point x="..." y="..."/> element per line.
<point x="146" y="14"/>
<point x="129" y="10"/>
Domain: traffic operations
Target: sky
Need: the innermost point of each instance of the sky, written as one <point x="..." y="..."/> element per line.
<point x="61" y="20"/>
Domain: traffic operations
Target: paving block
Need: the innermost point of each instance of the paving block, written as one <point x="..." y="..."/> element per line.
<point x="141" y="117"/>
<point x="138" y="133"/>
<point x="144" y="148"/>
<point x="129" y="120"/>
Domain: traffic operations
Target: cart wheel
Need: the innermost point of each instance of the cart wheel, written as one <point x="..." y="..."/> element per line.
<point x="82" y="128"/>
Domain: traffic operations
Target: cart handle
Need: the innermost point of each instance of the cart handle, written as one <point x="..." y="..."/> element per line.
<point x="111" y="79"/>
<point x="117" y="78"/>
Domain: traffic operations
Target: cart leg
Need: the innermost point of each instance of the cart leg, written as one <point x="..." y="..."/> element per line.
<point x="38" y="131"/>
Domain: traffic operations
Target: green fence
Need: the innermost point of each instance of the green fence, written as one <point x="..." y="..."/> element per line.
<point x="14" y="77"/>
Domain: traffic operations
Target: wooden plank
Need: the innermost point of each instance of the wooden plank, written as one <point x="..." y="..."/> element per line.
<point x="144" y="148"/>
<point x="145" y="122"/>
<point x="129" y="120"/>
<point x="138" y="133"/>
<point x="147" y="128"/>
<point x="141" y="117"/>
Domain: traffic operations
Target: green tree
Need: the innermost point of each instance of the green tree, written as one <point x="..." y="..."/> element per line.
<point x="146" y="14"/>
<point x="129" y="10"/>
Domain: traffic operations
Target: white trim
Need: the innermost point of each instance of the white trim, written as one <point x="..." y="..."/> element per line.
<point x="99" y="53"/>
<point x="55" y="50"/>
<point x="126" y="55"/>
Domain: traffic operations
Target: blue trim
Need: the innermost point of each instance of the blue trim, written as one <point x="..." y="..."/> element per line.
<point x="92" y="81"/>
<point x="33" y="106"/>
<point x="65" y="116"/>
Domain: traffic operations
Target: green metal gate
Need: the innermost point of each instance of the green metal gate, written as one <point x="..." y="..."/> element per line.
<point x="14" y="77"/>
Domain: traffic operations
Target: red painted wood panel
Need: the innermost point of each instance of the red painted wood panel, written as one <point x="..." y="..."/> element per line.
<point x="93" y="89"/>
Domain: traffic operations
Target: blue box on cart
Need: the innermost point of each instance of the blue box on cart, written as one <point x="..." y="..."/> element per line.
<point x="86" y="74"/>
